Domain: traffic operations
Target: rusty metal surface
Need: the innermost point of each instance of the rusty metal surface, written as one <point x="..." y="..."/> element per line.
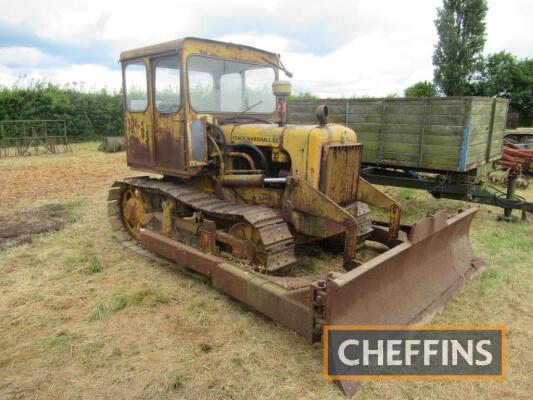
<point x="311" y="203"/>
<point x="273" y="230"/>
<point x="410" y="282"/>
<point x="407" y="284"/>
<point x="169" y="140"/>
<point x="177" y="44"/>
<point x="349" y="388"/>
<point x="288" y="307"/>
<point x="350" y="245"/>
<point x="180" y="253"/>
<point x="249" y="160"/>
<point x="370" y="194"/>
<point x="249" y="180"/>
<point x="160" y="141"/>
<point x="139" y="139"/>
<point x="233" y="218"/>
<point x="264" y="296"/>
<point x="339" y="172"/>
<point x="516" y="158"/>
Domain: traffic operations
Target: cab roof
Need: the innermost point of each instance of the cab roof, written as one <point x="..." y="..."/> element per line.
<point x="175" y="45"/>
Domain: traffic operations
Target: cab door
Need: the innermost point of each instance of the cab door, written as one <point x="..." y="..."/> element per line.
<point x="168" y="115"/>
<point x="138" y="114"/>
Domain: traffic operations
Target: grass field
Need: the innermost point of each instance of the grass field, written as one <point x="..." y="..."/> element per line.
<point x="82" y="317"/>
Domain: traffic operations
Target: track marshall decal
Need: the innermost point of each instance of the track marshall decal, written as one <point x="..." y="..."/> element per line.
<point x="414" y="352"/>
<point x="252" y="139"/>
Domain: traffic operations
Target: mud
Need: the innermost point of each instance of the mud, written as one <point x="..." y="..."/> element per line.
<point x="20" y="228"/>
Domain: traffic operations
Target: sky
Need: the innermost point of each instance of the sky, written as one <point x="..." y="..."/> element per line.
<point x="333" y="48"/>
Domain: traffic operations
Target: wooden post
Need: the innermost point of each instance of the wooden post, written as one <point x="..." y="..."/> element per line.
<point x="421" y="143"/>
<point x="346" y="113"/>
<point x="491" y="129"/>
<point x="380" y="146"/>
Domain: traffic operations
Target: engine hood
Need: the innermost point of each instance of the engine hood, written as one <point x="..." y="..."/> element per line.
<point x="303" y="143"/>
<point x="271" y="135"/>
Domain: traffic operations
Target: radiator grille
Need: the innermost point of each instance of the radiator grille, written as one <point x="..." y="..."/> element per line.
<point x="339" y="174"/>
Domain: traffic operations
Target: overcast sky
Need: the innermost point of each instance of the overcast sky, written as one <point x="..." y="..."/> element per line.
<point x="334" y="48"/>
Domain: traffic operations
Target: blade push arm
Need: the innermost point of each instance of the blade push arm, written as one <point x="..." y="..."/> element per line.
<point x="368" y="193"/>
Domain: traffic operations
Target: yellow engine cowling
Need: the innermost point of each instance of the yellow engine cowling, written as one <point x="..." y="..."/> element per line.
<point x="328" y="157"/>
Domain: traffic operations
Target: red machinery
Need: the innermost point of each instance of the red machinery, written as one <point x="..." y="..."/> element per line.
<point x="516" y="162"/>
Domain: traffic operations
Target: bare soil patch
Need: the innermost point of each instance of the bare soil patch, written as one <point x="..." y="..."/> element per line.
<point x="26" y="181"/>
<point x="20" y="227"/>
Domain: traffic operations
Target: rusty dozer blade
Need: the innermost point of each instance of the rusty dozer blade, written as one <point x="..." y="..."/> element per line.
<point x="409" y="283"/>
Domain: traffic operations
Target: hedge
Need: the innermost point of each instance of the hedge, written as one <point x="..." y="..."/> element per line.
<point x="89" y="115"/>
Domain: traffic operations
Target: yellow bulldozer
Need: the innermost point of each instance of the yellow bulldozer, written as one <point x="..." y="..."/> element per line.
<point x="234" y="192"/>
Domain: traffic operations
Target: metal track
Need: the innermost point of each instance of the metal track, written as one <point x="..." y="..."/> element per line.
<point x="273" y="230"/>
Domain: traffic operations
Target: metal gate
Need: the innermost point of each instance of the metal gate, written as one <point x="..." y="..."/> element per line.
<point x="37" y="136"/>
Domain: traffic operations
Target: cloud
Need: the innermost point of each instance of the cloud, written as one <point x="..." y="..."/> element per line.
<point x="334" y="48"/>
<point x="509" y="27"/>
<point x="22" y="56"/>
<point x="89" y="77"/>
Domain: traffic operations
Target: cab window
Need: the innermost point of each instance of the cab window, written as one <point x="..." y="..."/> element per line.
<point x="218" y="85"/>
<point x="167" y="85"/>
<point x="136" y="87"/>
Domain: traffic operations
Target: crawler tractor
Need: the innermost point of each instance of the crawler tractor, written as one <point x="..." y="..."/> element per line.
<point x="234" y="192"/>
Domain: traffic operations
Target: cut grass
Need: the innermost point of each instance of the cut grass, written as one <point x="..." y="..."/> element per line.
<point x="137" y="329"/>
<point x="150" y="297"/>
<point x="177" y="381"/>
<point x="147" y="296"/>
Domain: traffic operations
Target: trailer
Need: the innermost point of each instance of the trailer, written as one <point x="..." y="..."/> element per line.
<point x="444" y="145"/>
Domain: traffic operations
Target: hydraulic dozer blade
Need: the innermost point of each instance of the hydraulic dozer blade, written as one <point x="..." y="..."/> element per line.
<point x="408" y="284"/>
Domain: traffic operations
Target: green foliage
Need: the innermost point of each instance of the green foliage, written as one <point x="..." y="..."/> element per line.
<point x="89" y="115"/>
<point x="496" y="76"/>
<point x="522" y="91"/>
<point x="405" y="194"/>
<point x="303" y="96"/>
<point x="94" y="266"/>
<point x="458" y="54"/>
<point x="99" y="312"/>
<point x="504" y="75"/>
<point x="421" y="89"/>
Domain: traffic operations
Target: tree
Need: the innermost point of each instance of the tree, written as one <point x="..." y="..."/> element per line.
<point x="521" y="94"/>
<point x="458" y="54"/>
<point x="420" y="89"/>
<point x="497" y="75"/>
<point x="302" y="96"/>
<point x="503" y="75"/>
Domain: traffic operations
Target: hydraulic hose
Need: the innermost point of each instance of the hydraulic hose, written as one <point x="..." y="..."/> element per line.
<point x="250" y="146"/>
<point x="256" y="150"/>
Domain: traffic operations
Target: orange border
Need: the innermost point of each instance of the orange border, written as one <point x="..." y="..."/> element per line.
<point x="501" y="328"/>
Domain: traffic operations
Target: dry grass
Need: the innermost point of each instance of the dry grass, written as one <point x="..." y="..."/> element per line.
<point x="81" y="317"/>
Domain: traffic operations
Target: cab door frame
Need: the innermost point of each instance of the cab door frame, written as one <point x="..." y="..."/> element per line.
<point x="138" y="125"/>
<point x="170" y="141"/>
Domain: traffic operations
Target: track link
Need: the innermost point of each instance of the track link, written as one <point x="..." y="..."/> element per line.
<point x="273" y="230"/>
